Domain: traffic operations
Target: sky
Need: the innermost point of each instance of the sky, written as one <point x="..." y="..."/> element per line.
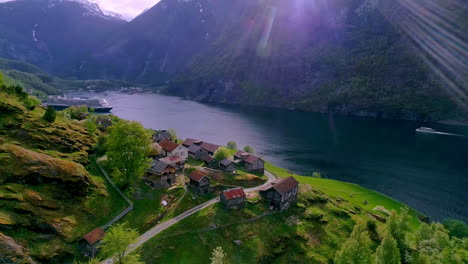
<point x="127" y="8"/>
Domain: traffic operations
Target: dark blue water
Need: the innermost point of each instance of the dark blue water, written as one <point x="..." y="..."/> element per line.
<point x="427" y="172"/>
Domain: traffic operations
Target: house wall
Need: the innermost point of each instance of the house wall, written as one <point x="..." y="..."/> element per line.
<point x="180" y="151"/>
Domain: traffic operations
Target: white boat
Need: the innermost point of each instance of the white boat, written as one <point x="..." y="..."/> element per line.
<point x="426" y="130"/>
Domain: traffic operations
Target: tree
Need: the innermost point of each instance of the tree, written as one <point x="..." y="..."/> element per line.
<point x="387" y="252"/>
<point x="91" y="261"/>
<point x="91" y="126"/>
<point x="116" y="242"/>
<point x="128" y="146"/>
<point x="357" y="249"/>
<point x="221" y="153"/>
<point x="232" y="145"/>
<point x="217" y="257"/>
<point x="1" y="79"/>
<point x="133" y="258"/>
<point x="50" y="114"/>
<point x="249" y="149"/>
<point x="173" y="133"/>
<point x="398" y="226"/>
<point x="456" y="228"/>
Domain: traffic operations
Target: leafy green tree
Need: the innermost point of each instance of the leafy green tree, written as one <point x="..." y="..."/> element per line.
<point x="1" y="79"/>
<point x="91" y="261"/>
<point x="91" y="126"/>
<point x="133" y="258"/>
<point x="249" y="149"/>
<point x="50" y="114"/>
<point x="398" y="226"/>
<point x="128" y="146"/>
<point x="387" y="252"/>
<point x="456" y="228"/>
<point x="357" y="249"/>
<point x="116" y="242"/>
<point x="217" y="256"/>
<point x="173" y="133"/>
<point x="221" y="153"/>
<point x="232" y="145"/>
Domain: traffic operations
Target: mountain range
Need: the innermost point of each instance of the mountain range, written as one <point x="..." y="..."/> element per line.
<point x="346" y="56"/>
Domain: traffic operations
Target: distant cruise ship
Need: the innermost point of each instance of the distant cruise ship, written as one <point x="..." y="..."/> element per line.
<point x="61" y="103"/>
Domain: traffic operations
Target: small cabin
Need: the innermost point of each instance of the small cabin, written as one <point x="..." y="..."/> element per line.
<point x="160" y="175"/>
<point x="176" y="162"/>
<point x="254" y="163"/>
<point x="199" y="181"/>
<point x="208" y="148"/>
<point x="240" y="155"/>
<point x="195" y="152"/>
<point x="233" y="198"/>
<point x="170" y="149"/>
<point x="227" y="165"/>
<point x="89" y="244"/>
<point x="210" y="162"/>
<point x="281" y="194"/>
<point x="161" y="135"/>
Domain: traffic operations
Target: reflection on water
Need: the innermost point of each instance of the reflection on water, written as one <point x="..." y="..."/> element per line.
<point x="428" y="172"/>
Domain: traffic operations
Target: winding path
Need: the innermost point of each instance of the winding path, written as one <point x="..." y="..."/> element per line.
<point x="163" y="226"/>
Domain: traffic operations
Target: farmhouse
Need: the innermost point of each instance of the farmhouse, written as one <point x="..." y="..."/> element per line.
<point x="281" y="194"/>
<point x="89" y="244"/>
<point x="190" y="141"/>
<point x="161" y="135"/>
<point x="254" y="163"/>
<point x="199" y="181"/>
<point x="160" y="175"/>
<point x="227" y="165"/>
<point x="173" y="149"/>
<point x="208" y="148"/>
<point x="195" y="152"/>
<point x="233" y="198"/>
<point x="176" y="162"/>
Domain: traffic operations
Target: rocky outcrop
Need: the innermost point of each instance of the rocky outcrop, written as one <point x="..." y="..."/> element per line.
<point x="13" y="253"/>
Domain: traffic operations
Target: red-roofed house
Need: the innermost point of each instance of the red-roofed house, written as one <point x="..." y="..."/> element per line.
<point x="233" y="198"/>
<point x="209" y="148"/>
<point x="170" y="148"/>
<point x="190" y="141"/>
<point x="254" y="163"/>
<point x="89" y="244"/>
<point x="200" y="181"/>
<point x="282" y="194"/>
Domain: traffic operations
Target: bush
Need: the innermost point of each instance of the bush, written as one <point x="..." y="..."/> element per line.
<point x="232" y="145"/>
<point x="456" y="228"/>
<point x="249" y="149"/>
<point x="313" y="213"/>
<point x="221" y="153"/>
<point x="50" y="114"/>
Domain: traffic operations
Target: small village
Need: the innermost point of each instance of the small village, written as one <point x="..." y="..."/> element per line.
<point x="192" y="164"/>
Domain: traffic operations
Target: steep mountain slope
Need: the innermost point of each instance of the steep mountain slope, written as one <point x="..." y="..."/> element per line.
<point x="53" y="34"/>
<point x="344" y="56"/>
<point x="48" y="199"/>
<point x="162" y="40"/>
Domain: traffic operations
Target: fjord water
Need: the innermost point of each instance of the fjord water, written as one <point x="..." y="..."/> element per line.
<point x="427" y="172"/>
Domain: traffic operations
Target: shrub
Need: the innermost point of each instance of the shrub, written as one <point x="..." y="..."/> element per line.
<point x="221" y="153"/>
<point x="249" y="149"/>
<point x="232" y="145"/>
<point x="50" y="114"/>
<point x="313" y="213"/>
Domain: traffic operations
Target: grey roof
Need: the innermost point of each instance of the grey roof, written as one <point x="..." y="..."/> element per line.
<point x="162" y="135"/>
<point x="158" y="167"/>
<point x="226" y="162"/>
<point x="194" y="148"/>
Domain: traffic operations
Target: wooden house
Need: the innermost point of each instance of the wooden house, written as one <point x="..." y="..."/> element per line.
<point x="176" y="162"/>
<point x="281" y="194"/>
<point x="254" y="163"/>
<point x="89" y="244"/>
<point x="170" y="149"/>
<point x="227" y="165"/>
<point x="190" y="142"/>
<point x="210" y="162"/>
<point x="161" y="135"/>
<point x="199" y="181"/>
<point x="160" y="175"/>
<point x="233" y="198"/>
<point x="208" y="148"/>
<point x="195" y="152"/>
<point x="240" y="155"/>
